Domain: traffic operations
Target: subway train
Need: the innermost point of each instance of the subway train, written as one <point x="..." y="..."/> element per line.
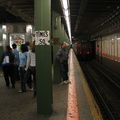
<point x="105" y="50"/>
<point x="83" y="50"/>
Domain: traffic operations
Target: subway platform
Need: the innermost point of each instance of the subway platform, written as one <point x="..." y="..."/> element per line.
<point x="72" y="101"/>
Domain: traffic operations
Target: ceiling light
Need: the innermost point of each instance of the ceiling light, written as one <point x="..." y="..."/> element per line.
<point x="66" y="12"/>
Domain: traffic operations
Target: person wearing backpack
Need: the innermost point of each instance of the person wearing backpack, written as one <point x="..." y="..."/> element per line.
<point x="16" y="65"/>
<point x="7" y="63"/>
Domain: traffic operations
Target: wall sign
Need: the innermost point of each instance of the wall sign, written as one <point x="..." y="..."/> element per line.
<point x="42" y="37"/>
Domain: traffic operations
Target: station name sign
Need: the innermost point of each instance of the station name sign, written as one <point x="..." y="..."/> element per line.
<point x="42" y="37"/>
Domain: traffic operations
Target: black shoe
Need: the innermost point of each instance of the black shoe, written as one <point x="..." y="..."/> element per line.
<point x="20" y="91"/>
<point x="7" y="85"/>
<point x="13" y="86"/>
<point x="34" y="94"/>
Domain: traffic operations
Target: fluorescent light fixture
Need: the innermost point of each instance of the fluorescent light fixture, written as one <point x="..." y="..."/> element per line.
<point x="4" y="27"/>
<point x="29" y="27"/>
<point x="64" y="4"/>
<point x="66" y="12"/>
<point x="4" y="36"/>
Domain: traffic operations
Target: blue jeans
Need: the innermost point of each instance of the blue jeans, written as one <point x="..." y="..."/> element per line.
<point x="64" y="70"/>
<point x="31" y="71"/>
<point x="22" y="82"/>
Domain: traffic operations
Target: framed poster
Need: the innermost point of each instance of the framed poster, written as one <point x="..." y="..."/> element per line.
<point x="17" y="38"/>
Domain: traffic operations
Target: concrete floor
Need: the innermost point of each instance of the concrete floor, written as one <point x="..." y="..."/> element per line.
<point x="22" y="106"/>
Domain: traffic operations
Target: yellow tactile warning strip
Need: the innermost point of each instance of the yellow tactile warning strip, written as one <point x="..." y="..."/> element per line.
<point x="72" y="110"/>
<point x="95" y="111"/>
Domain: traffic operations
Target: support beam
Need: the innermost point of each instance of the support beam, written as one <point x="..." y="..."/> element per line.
<point x="43" y="58"/>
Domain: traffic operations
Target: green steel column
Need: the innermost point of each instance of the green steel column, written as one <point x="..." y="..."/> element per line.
<point x="1" y="41"/>
<point x="1" y="33"/>
<point x="67" y="40"/>
<point x="1" y="47"/>
<point x="43" y="58"/>
<point x="56" y="28"/>
<point x="62" y="33"/>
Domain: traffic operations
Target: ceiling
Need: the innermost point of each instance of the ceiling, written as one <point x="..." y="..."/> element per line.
<point x="17" y="11"/>
<point x="85" y="14"/>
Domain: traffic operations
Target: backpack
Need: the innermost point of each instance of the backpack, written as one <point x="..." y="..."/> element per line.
<point x="8" y="58"/>
<point x="11" y="57"/>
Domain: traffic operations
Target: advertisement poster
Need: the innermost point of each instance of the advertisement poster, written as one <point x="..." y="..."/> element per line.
<point x="18" y="39"/>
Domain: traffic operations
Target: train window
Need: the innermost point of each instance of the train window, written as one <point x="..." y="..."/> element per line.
<point x="88" y="52"/>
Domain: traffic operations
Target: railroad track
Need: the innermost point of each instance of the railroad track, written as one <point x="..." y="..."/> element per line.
<point x="100" y="88"/>
<point x="112" y="76"/>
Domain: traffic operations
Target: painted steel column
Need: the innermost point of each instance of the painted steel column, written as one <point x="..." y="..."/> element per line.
<point x="43" y="58"/>
<point x="62" y="33"/>
<point x="56" y="29"/>
<point x="1" y="42"/>
<point x="1" y="33"/>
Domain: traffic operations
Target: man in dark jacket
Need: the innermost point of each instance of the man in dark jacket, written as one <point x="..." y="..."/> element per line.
<point x="7" y="63"/>
<point x="16" y="65"/>
<point x="62" y="57"/>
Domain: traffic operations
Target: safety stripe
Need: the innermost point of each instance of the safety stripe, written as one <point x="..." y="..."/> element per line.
<point x="72" y="110"/>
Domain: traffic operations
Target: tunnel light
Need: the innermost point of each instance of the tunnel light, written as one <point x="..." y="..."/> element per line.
<point x="4" y="36"/>
<point x="29" y="27"/>
<point x="64" y="4"/>
<point x="66" y="11"/>
<point x="4" y="27"/>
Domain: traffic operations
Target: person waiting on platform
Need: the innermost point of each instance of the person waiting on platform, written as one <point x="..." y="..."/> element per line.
<point x="62" y="57"/>
<point x="29" y="80"/>
<point x="22" y="65"/>
<point x="7" y="63"/>
<point x="16" y="64"/>
<point x="30" y="66"/>
<point x="28" y="45"/>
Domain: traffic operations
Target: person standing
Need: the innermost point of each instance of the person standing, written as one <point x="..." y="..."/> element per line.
<point x="28" y="45"/>
<point x="7" y="63"/>
<point x="16" y="64"/>
<point x="30" y="66"/>
<point x="62" y="57"/>
<point x="22" y="65"/>
<point x="29" y="80"/>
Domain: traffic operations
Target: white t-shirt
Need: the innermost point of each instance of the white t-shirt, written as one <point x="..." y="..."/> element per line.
<point x="31" y="61"/>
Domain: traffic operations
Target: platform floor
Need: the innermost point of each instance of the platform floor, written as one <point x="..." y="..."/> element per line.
<point x="22" y="106"/>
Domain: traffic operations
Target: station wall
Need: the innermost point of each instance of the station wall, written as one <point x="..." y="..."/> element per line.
<point x="15" y="29"/>
<point x="108" y="47"/>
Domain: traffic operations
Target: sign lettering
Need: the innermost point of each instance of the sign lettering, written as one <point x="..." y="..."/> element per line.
<point x="42" y="37"/>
